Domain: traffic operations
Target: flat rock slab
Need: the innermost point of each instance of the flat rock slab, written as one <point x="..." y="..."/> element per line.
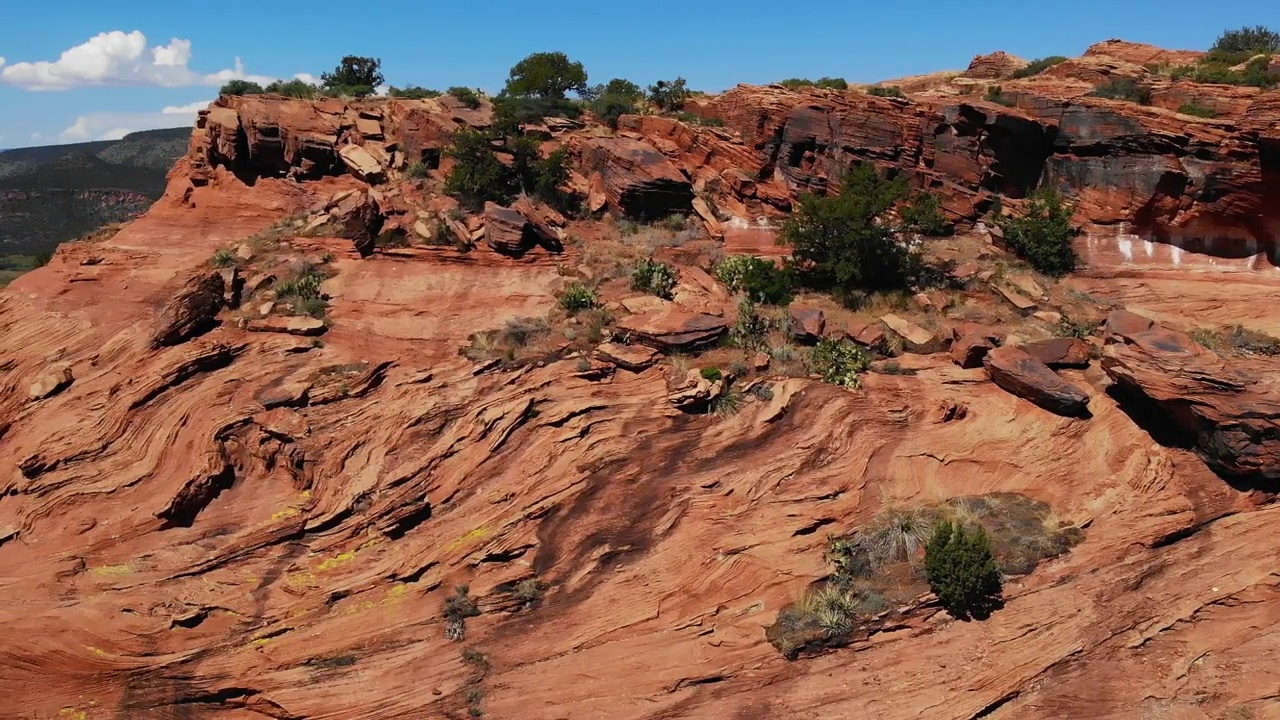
<point x="807" y="324"/>
<point x="1016" y="299"/>
<point x="1060" y="352"/>
<point x="674" y="328"/>
<point x="1230" y="410"/>
<point x="1122" y="324"/>
<point x="628" y="357"/>
<point x="1018" y="373"/>
<point x="361" y="163"/>
<point x="918" y="339"/>
<point x="288" y="324"/>
<point x="971" y="342"/>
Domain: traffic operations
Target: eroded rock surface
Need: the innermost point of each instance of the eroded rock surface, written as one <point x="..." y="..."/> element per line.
<point x="1023" y="375"/>
<point x="1231" y="413"/>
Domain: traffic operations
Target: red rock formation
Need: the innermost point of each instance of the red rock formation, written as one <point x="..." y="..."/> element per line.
<point x="1230" y="413"/>
<point x="1023" y="375"/>
<point x="637" y="180"/>
<point x="996" y="66"/>
<point x="1142" y="53"/>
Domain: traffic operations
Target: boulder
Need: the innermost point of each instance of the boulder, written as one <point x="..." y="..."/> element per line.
<point x="760" y="361"/>
<point x="917" y="339"/>
<point x="971" y="342"/>
<point x="1060" y="352"/>
<point x="361" y="164"/>
<point x="288" y="324"/>
<point x="1122" y="324"/>
<point x="695" y="392"/>
<point x="996" y="66"/>
<point x="358" y="218"/>
<point x="1018" y="373"/>
<point x="674" y="328"/>
<point x="1229" y="412"/>
<point x="506" y="230"/>
<point x="870" y="335"/>
<point x="628" y="357"/>
<point x="808" y="324"/>
<point x="191" y="311"/>
<point x="635" y="179"/>
<point x="52" y="382"/>
<point x="231" y="284"/>
<point x="545" y="222"/>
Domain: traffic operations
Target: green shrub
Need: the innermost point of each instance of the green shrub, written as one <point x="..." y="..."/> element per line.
<point x="611" y="108"/>
<point x="1070" y="327"/>
<point x="618" y="87"/>
<point x="466" y="96"/>
<point x="1042" y="234"/>
<point x="512" y="112"/>
<point x="839" y="362"/>
<point x="577" y="296"/>
<point x="995" y="94"/>
<point x="42" y="258"/>
<point x="457" y="608"/>
<point x="224" y="257"/>
<point x="711" y="373"/>
<point x="728" y="403"/>
<point x="478" y="175"/>
<point x="529" y="591"/>
<point x="923" y="215"/>
<point x="962" y="571"/>
<point x="892" y="91"/>
<point x="546" y="75"/>
<point x="1038" y="66"/>
<point x="751" y="327"/>
<point x="1197" y="110"/>
<point x="1258" y="74"/>
<point x="300" y="89"/>
<point x="356" y="76"/>
<point x="669" y="96"/>
<point x="417" y="170"/>
<point x="301" y="290"/>
<point x="1238" y="340"/>
<point x="762" y="281"/>
<point x="241" y="87"/>
<point x="655" y="278"/>
<point x="844" y="244"/>
<point x="1124" y="89"/>
<point x="1247" y="42"/>
<point x="414" y="92"/>
<point x="828" y="83"/>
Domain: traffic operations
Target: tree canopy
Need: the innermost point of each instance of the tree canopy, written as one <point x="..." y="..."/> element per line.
<point x="355" y="75"/>
<point x="546" y="75"/>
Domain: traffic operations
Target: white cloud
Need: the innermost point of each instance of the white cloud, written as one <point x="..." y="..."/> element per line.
<point x="188" y="109"/>
<point x="113" y="126"/>
<point x="304" y="77"/>
<point x="115" y="134"/>
<point x="119" y="58"/>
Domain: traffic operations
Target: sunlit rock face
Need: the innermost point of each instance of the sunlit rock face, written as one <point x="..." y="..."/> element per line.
<point x="1120" y="247"/>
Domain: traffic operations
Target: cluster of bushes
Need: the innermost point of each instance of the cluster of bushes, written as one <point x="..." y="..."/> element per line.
<point x="892" y="91"/>
<point x="761" y="281"/>
<point x="995" y="94"/>
<point x="289" y="88"/>
<point x="1233" y="48"/>
<point x="480" y="176"/>
<point x="828" y="83"/>
<point x="961" y="550"/>
<point x="848" y="243"/>
<point x="1124" y="89"/>
<point x="1237" y="339"/>
<point x="1037" y="66"/>
<point x="1195" y="109"/>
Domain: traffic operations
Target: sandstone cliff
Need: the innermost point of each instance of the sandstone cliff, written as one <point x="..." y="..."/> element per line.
<point x="204" y="517"/>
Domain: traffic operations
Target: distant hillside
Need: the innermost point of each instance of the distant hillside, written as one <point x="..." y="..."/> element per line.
<point x="155" y="149"/>
<point x="55" y="193"/>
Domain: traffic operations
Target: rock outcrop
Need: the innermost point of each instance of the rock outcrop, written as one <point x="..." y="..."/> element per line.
<point x="1060" y="352"/>
<point x="636" y="180"/>
<point x="1231" y="414"/>
<point x="674" y="328"/>
<point x="971" y="342"/>
<point x="192" y="310"/>
<point x="1021" y="374"/>
<point x="996" y="66"/>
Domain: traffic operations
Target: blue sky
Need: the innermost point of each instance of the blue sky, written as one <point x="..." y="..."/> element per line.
<point x="160" y="59"/>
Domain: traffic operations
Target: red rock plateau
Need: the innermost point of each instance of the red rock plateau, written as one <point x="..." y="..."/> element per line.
<point x="209" y="509"/>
